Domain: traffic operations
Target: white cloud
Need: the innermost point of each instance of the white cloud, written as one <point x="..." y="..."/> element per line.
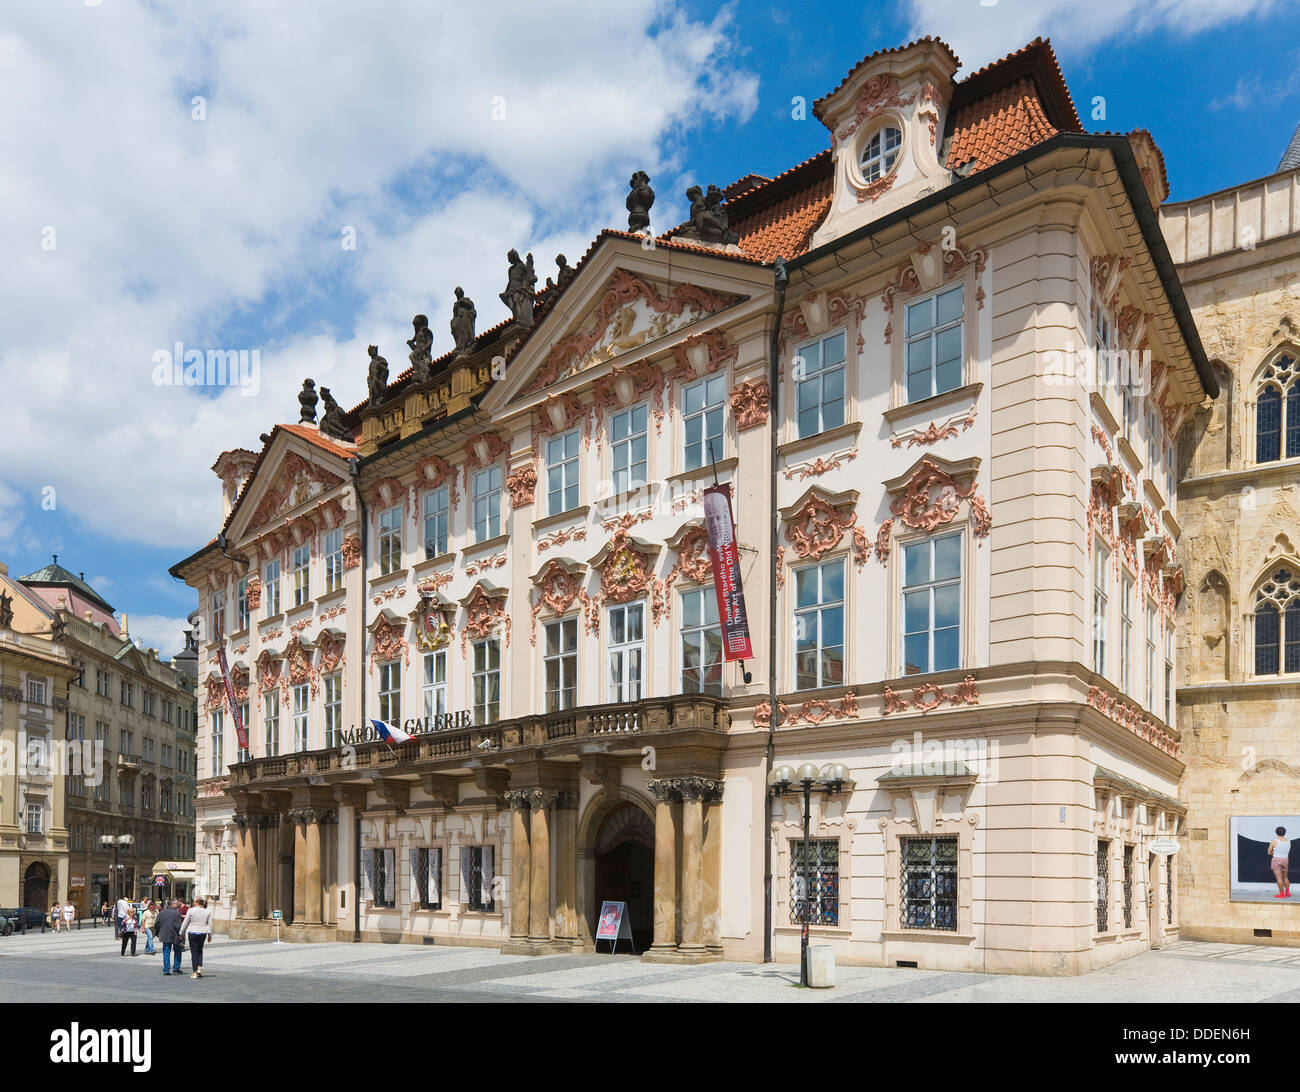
<point x="158" y="631"/>
<point x="319" y="114"/>
<point x="980" y="34"/>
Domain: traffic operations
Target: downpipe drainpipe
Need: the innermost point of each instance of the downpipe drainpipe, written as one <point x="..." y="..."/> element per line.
<point x="354" y="472"/>
<point x="781" y="279"/>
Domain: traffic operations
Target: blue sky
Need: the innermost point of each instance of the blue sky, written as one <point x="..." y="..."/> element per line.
<point x="223" y="230"/>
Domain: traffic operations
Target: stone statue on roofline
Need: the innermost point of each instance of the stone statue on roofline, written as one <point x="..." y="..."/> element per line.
<point x="307" y="400"/>
<point x="709" y="216"/>
<point x="564" y="273"/>
<point x="639" y="202"/>
<point x="521" y="287"/>
<point x="332" y="423"/>
<point x="421" y="344"/>
<point x="377" y="379"/>
<point x="463" y="316"/>
<point x="6" y="610"/>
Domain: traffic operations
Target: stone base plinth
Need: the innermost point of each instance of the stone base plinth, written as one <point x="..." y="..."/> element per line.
<point x="681" y="956"/>
<point x="538" y="947"/>
<point x="260" y="929"/>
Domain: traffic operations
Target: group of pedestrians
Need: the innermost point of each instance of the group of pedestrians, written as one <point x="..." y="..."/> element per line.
<point x="171" y="925"/>
<point x="63" y="916"/>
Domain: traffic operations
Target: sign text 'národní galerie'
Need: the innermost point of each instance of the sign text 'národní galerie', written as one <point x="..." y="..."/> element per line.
<point x="415" y="726"/>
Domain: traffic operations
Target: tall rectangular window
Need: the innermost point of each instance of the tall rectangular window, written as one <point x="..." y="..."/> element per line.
<point x="1151" y="657"/>
<point x="333" y="548"/>
<point x="560" y="664"/>
<point x="562" y="472"/>
<point x="379" y="876"/>
<point x="244" y="753"/>
<point x="1100" y="605"/>
<point x="301" y="574"/>
<point x="390" y="693"/>
<point x="241" y="604"/>
<point x="1169" y="672"/>
<point x="36" y="692"/>
<point x="476" y="871"/>
<point x="1128" y="887"/>
<point x="819" y="625"/>
<point x="271" y="722"/>
<point x="701" y="643"/>
<point x="271" y="587"/>
<point x="487" y="681"/>
<point x="1103" y="885"/>
<point x="300" y="716"/>
<point x="929" y="895"/>
<point x="434" y="691"/>
<point x="35" y="818"/>
<point x="933" y="348"/>
<point x="333" y="709"/>
<point x="932" y="605"/>
<point x="819" y="385"/>
<point x="626" y="652"/>
<point x="629" y="441"/>
<point x="437" y="508"/>
<point x="1103" y="342"/>
<point x="487" y="503"/>
<point x="218" y="742"/>
<point x="218" y="614"/>
<point x="815" y="882"/>
<point x="426" y="877"/>
<point x="1126" y="633"/>
<point x="388" y="545"/>
<point x="702" y="417"/>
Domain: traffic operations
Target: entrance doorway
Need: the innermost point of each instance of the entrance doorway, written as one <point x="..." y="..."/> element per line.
<point x="625" y="869"/>
<point x="36" y="886"/>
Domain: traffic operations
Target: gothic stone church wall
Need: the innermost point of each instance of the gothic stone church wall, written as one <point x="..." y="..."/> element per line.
<point x="1241" y="523"/>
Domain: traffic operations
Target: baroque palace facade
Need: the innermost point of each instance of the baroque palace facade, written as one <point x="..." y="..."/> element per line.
<point x="1238" y="255"/>
<point x="943" y="366"/>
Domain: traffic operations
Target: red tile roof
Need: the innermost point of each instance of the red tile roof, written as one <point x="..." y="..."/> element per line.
<point x="343" y="449"/>
<point x="998" y="126"/>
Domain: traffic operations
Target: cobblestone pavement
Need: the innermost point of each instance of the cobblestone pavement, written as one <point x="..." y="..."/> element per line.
<point x="85" y="967"/>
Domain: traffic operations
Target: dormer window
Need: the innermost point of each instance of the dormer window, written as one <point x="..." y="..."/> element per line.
<point x="880" y="152"/>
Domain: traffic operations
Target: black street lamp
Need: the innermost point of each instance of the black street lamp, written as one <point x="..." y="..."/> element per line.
<point x="829" y="780"/>
<point x="115" y="841"/>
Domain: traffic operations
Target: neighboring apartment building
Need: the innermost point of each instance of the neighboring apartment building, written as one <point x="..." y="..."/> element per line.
<point x="1238" y="255"/>
<point x="137" y="713"/>
<point x="973" y="533"/>
<point x="34" y="675"/>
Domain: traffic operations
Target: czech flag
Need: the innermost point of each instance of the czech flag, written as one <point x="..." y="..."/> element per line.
<point x="388" y="733"/>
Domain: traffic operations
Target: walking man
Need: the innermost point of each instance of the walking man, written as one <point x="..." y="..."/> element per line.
<point x="120" y="912"/>
<point x="149" y="920"/>
<point x="168" y="928"/>
<point x="1279" y="850"/>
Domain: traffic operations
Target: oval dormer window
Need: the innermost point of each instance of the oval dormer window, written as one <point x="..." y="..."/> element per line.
<point x="880" y="152"/>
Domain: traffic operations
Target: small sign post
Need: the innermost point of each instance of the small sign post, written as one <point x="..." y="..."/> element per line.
<point x="277" y="915"/>
<point x="614" y="926"/>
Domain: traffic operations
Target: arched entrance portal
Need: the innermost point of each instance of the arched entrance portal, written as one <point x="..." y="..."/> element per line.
<point x="36" y="886"/>
<point x="625" y="868"/>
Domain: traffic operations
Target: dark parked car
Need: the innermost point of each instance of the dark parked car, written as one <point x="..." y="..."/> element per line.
<point x="7" y="923"/>
<point x="35" y="918"/>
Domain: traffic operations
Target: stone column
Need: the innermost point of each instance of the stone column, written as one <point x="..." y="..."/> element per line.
<point x="301" y="820"/>
<point x="246" y="895"/>
<point x="312" y="883"/>
<point x="713" y="868"/>
<point x="566" y="866"/>
<point x="693" y="790"/>
<point x="520" y="866"/>
<point x="284" y="873"/>
<point x="539" y="888"/>
<point x="665" y="919"/>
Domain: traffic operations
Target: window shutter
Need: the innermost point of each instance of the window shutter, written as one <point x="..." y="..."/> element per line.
<point x="367" y="874"/>
<point x="488" y="898"/>
<point x="435" y="877"/>
<point x="390" y="876"/>
<point x="414" y="885"/>
<point x="466" y="871"/>
<point x="231" y="872"/>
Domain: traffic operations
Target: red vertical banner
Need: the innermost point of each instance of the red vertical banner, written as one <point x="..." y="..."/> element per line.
<point x="241" y="733"/>
<point x="725" y="556"/>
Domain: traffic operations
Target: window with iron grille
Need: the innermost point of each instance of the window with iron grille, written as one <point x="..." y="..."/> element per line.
<point x="426" y="878"/>
<point x="476" y="878"/>
<point x="379" y="876"/>
<point x="1169" y="889"/>
<point x="929" y="881"/>
<point x="1103" y="885"/>
<point x="1128" y="887"/>
<point x="821" y="878"/>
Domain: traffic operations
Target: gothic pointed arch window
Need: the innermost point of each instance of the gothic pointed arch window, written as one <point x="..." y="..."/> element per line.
<point x="1277" y="411"/>
<point x="1277" y="623"/>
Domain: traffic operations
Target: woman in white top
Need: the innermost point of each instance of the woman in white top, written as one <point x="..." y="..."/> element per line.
<point x="1279" y="850"/>
<point x="69" y="912"/>
<point x="198" y="926"/>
